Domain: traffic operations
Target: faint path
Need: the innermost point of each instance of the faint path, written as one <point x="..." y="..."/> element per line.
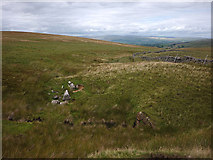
<point x="72" y="76"/>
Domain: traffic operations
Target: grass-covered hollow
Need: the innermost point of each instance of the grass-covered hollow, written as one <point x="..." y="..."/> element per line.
<point x="176" y="97"/>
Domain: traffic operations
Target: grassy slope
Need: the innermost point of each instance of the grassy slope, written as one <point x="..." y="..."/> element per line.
<point x="176" y="97"/>
<point x="198" y="43"/>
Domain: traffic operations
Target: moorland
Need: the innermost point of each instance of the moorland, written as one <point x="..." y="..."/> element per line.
<point x="175" y="96"/>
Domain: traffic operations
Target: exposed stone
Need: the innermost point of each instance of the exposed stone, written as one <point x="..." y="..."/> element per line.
<point x="63" y="103"/>
<point x="124" y="124"/>
<point x="66" y="121"/>
<point x="83" y="123"/>
<point x="171" y="58"/>
<point x="71" y="85"/>
<point x="37" y="119"/>
<point x="66" y="96"/>
<point x="55" y="102"/>
<point x="89" y="121"/>
<point x="110" y="123"/>
<point x="142" y="117"/>
<point x="69" y="122"/>
<point x="55" y="97"/>
<point x="11" y="116"/>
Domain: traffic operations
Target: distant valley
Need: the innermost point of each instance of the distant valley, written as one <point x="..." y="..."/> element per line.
<point x="157" y="41"/>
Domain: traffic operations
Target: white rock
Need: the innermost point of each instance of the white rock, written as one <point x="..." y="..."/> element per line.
<point x="72" y="86"/>
<point x="66" y="96"/>
<point x="63" y="103"/>
<point x="55" y="102"/>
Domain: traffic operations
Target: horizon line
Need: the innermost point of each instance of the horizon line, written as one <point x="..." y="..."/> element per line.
<point x="89" y="35"/>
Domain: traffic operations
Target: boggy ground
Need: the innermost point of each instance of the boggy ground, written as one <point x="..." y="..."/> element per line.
<point x="176" y="97"/>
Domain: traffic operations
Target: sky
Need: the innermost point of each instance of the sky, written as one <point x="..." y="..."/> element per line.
<point x="183" y="19"/>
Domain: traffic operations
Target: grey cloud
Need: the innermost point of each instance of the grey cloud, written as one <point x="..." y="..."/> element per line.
<point x="191" y="19"/>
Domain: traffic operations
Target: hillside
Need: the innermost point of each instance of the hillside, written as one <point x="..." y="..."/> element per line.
<point x="98" y="120"/>
<point x="197" y="43"/>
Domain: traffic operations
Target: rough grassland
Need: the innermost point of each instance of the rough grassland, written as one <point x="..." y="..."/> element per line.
<point x="176" y="97"/>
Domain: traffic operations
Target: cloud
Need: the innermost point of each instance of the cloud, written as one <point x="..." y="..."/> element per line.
<point x="169" y="19"/>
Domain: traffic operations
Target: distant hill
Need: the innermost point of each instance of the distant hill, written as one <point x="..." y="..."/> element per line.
<point x="156" y="41"/>
<point x="197" y="43"/>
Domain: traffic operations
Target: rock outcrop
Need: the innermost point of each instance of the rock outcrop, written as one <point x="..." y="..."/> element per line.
<point x="66" y="96"/>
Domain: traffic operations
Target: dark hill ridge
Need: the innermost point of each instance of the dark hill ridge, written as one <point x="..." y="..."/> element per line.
<point x="157" y="41"/>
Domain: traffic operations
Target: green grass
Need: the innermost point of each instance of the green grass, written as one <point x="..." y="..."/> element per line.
<point x="158" y="153"/>
<point x="15" y="127"/>
<point x="176" y="97"/>
<point x="198" y="44"/>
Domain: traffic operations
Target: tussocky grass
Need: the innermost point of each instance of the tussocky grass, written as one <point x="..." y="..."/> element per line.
<point x="176" y="97"/>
